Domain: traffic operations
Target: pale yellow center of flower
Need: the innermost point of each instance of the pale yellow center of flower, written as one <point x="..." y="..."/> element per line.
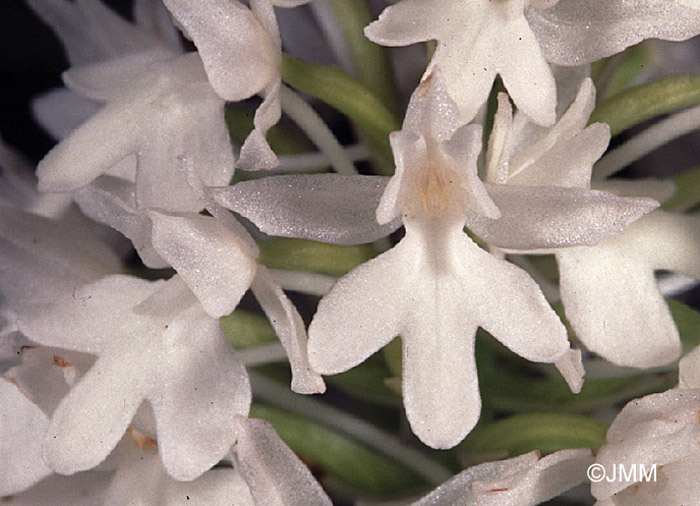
<point x="435" y="189"/>
<point x="433" y="192"/>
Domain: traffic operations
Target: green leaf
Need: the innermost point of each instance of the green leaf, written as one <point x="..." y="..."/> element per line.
<point x="312" y="256"/>
<point x="341" y="458"/>
<point x="349" y="96"/>
<point x="244" y="329"/>
<point x="393" y="358"/>
<point x="370" y="60"/>
<point x="620" y="70"/>
<point x="688" y="322"/>
<point x="687" y="194"/>
<point x="367" y="382"/>
<point x="635" y="105"/>
<point x="240" y="123"/>
<point x="547" y="432"/>
<point x="506" y="392"/>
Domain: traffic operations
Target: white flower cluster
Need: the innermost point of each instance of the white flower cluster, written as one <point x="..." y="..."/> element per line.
<point x="120" y="390"/>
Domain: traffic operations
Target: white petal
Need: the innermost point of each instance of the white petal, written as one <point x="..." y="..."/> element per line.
<point x="92" y="418"/>
<point x="566" y="154"/>
<point x="551" y="476"/>
<point x="112" y="201"/>
<point x="659" y="450"/>
<point x="524" y="70"/>
<point x="431" y="112"/>
<point x="463" y="150"/>
<point x="89" y="31"/>
<point x="510" y="306"/>
<point x="60" y="111"/>
<point x="660" y="229"/>
<point x="196" y="388"/>
<point x="409" y="152"/>
<point x="91" y="149"/>
<point x="84" y="489"/>
<point x="167" y="301"/>
<point x="458" y="490"/>
<point x="323" y="207"/>
<point x="498" y="151"/>
<point x="46" y="374"/>
<point x="689" y="370"/>
<point x="75" y="251"/>
<point x="406" y="23"/>
<point x="289" y="3"/>
<point x="275" y="475"/>
<point x="117" y="78"/>
<point x="153" y="17"/>
<point x="676" y="482"/>
<point x="144" y="482"/>
<point x="420" y="290"/>
<point x="440" y="384"/>
<point x="212" y="260"/>
<point x="93" y="312"/>
<point x="22" y="428"/>
<point x="289" y="327"/>
<point x="11" y="343"/>
<point x="570" y="366"/>
<point x="654" y="415"/>
<point x="238" y="55"/>
<point x="657" y="189"/>
<point x="615" y="308"/>
<point x="573" y="32"/>
<point x="256" y="153"/>
<point x="470" y="60"/>
<point x="610" y="294"/>
<point x="363" y="312"/>
<point x="542" y="217"/>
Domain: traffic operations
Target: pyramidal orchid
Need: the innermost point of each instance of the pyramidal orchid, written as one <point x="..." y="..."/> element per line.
<point x="242" y="54"/>
<point x="617" y="253"/>
<point x="436" y="286"/>
<point x="516" y="39"/>
<point x="92" y="33"/>
<point x="172" y="112"/>
<point x="659" y="431"/>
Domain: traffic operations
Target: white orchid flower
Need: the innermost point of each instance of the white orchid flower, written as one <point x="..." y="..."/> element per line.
<point x="153" y="340"/>
<point x="274" y="474"/>
<point x="516" y="39"/>
<point x="266" y="472"/>
<point x="242" y="54"/>
<point x="91" y="33"/>
<point x="171" y="111"/>
<point x="658" y="431"/>
<point x="22" y="428"/>
<point x="29" y="394"/>
<point x="607" y="276"/>
<point x="552" y="167"/>
<point x="525" y="480"/>
<point x="611" y="296"/>
<point x="436" y="286"/>
<point x="215" y="257"/>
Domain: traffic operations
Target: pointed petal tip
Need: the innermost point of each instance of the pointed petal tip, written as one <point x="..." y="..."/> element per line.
<point x="310" y="383"/>
<point x="571" y="368"/>
<point x="256" y="153"/>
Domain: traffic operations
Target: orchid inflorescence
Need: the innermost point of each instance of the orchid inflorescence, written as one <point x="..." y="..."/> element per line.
<point x="156" y="381"/>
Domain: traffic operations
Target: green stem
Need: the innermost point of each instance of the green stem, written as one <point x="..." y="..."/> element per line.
<point x="370" y="60"/>
<point x="636" y="105"/>
<point x="547" y="432"/>
<point x="687" y="194"/>
<point x="270" y="391"/>
<point x="349" y="96"/>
